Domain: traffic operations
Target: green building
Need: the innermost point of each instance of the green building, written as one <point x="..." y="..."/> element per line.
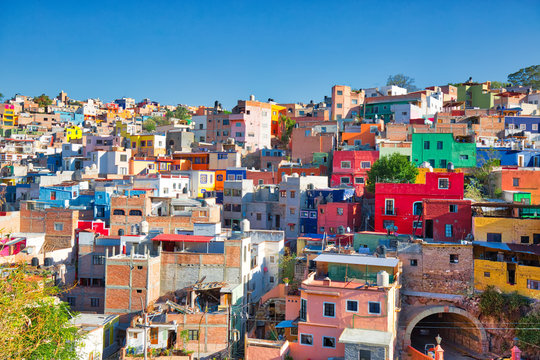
<point x="441" y="149"/>
<point x="387" y="149"/>
<point x="475" y="95"/>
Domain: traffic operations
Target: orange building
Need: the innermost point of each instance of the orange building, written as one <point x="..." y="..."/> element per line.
<point x="199" y="161"/>
<point x="363" y="134"/>
<point x="518" y="179"/>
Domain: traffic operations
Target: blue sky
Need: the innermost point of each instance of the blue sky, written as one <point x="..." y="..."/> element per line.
<point x="195" y="52"/>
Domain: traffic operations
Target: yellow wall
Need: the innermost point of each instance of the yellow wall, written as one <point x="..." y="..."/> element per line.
<point x="498" y="277"/>
<point x="136" y="166"/>
<point x="421" y="177"/>
<point x="278" y="111"/>
<point x="201" y="187"/>
<point x="73" y="133"/>
<point x="511" y="229"/>
<point x="154" y="149"/>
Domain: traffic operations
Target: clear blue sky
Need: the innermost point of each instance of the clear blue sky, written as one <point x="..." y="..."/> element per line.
<point x="195" y="52"/>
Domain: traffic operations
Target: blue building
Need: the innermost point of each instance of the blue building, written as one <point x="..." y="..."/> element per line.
<point x="60" y="195"/>
<point x="54" y="162"/>
<point x="102" y="205"/>
<point x="236" y="174"/>
<point x="524" y="123"/>
<point x="509" y="157"/>
<point x="70" y="117"/>
<point x="308" y="212"/>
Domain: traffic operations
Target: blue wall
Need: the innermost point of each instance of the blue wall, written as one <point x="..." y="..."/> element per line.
<point x="508" y="157"/>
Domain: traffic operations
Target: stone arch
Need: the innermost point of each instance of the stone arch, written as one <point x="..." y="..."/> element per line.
<point x="446" y="309"/>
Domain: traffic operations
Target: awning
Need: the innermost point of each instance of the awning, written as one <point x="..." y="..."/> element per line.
<point x="183" y="238"/>
<point x="286" y="324"/>
<point x="366" y="337"/>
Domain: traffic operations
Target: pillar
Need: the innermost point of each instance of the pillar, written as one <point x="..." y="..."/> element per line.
<point x="439" y="353"/>
<point x="516" y="353"/>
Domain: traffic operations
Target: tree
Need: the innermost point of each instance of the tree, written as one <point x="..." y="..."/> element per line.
<point x="34" y="325"/>
<point x="529" y="76"/>
<point x="180" y="112"/>
<point x="395" y="168"/>
<point x="1" y="96"/>
<point x="43" y="100"/>
<point x="403" y="81"/>
<point x="527" y="332"/>
<point x="499" y="84"/>
<point x="287" y="125"/>
<point x="149" y="125"/>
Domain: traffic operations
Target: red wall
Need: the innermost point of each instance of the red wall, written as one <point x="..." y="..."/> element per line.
<point x="331" y="220"/>
<point x="268" y="177"/>
<point x="405" y="195"/>
<point x="356" y="158"/>
<point x="438" y="210"/>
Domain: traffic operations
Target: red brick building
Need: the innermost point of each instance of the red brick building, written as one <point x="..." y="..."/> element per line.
<point x="332" y="216"/>
<point x="351" y="167"/>
<point x="446" y="220"/>
<point x="400" y="205"/>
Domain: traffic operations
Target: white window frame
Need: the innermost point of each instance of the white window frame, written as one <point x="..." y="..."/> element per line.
<point x="60" y="225"/>
<point x="393" y="207"/>
<point x="439" y="184"/>
<point x="421" y="208"/>
<point x="374" y="302"/>
<point x="365" y="164"/>
<point x="328" y="316"/>
<point x="361" y="180"/>
<point x="345" y="162"/>
<point x="344" y="177"/>
<point x="347" y="306"/>
<point x="300" y="339"/>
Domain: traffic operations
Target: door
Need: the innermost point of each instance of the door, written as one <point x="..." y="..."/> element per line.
<point x="429" y="229"/>
<point x="278" y="221"/>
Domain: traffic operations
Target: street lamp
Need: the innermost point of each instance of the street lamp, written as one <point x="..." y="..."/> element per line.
<point x="438" y="339"/>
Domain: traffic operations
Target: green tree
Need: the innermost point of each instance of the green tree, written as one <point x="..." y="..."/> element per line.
<point x="149" y="125"/>
<point x="160" y="120"/>
<point x="287" y="126"/>
<point x="180" y="112"/>
<point x="395" y="168"/>
<point x="34" y="325"/>
<point x="1" y="97"/>
<point x="403" y="81"/>
<point x="43" y="100"/>
<point x="528" y="332"/>
<point x="287" y="262"/>
<point x="499" y="84"/>
<point x="529" y="76"/>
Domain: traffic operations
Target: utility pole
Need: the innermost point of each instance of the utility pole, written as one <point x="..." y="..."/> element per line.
<point x="145" y="327"/>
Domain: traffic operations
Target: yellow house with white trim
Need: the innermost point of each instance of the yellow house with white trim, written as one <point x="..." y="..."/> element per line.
<point x="148" y="144"/>
<point x="73" y="133"/>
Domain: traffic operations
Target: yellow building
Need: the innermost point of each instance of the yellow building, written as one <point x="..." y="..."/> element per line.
<point x="148" y="144"/>
<point x="276" y="112"/>
<point x="201" y="182"/>
<point x="9" y="117"/>
<point x="142" y="166"/>
<point x="508" y="267"/>
<point x="421" y="177"/>
<point x="73" y="133"/>
<point x="506" y="230"/>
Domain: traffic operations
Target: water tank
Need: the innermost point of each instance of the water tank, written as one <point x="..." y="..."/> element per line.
<point x="383" y="279"/>
<point x="245" y="225"/>
<point x="35" y="261"/>
<point x="251" y="97"/>
<point x="144" y="227"/>
<point x="48" y="261"/>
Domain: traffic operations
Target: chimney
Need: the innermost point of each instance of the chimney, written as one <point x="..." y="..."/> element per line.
<point x="327" y="281"/>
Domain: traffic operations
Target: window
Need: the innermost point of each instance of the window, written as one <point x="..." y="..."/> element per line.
<point x="417" y="224"/>
<point x="98" y="259"/>
<point x="259" y="216"/>
<point x="283" y="193"/>
<point x="443" y="163"/>
<point x="352" y="305"/>
<point x="306" y="339"/>
<point x="340" y="211"/>
<point x="321" y="229"/>
<point x="366" y="165"/>
<point x="536" y="239"/>
<point x="53" y="195"/>
<point x="293" y="194"/>
<point x="58" y="226"/>
<point x="303" y="309"/>
<point x="354" y="101"/>
<point x="444" y="183"/>
<point x="535" y="127"/>
<point x="417" y="208"/>
<point x="329" y="342"/>
<point x="364" y="355"/>
<point x="515" y="182"/>
<point x="313" y="214"/>
<point x="193" y="334"/>
<point x="413" y="262"/>
<point x="123" y="157"/>
<point x="143" y="143"/>
<point x="494" y="237"/>
<point x="522" y="126"/>
<point x="524" y="239"/>
<point x="533" y="284"/>
<point x="135" y="213"/>
<point x="94" y="302"/>
<point x="426" y="145"/>
<point x="345" y="164"/>
<point x="71" y="301"/>
<point x="389" y="207"/>
<point x="345" y="180"/>
<point x="374" y="307"/>
<point x="454" y="258"/>
<point x="340" y="92"/>
<point x="439" y="145"/>
<point x="463" y="157"/>
<point x="448" y="230"/>
<point x="304" y="214"/>
<point x="487" y="274"/>
<point x="272" y="259"/>
<point x="453" y="208"/>
<point x="271" y="279"/>
<point x="339" y="105"/>
<point x="359" y="180"/>
<point x="292" y="211"/>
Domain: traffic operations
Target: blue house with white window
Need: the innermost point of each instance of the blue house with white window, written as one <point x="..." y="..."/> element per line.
<point x="308" y="212"/>
<point x="239" y="173"/>
<point x="523" y="123"/>
<point x="102" y="205"/>
<point x="60" y="196"/>
<point x="509" y="157"/>
<point x="71" y="117"/>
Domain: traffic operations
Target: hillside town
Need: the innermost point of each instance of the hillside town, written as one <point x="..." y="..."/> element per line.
<point x="369" y="224"/>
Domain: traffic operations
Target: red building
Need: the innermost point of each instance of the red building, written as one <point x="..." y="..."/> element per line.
<point x="351" y="167"/>
<point x="447" y="220"/>
<point x="332" y="216"/>
<point x="262" y="177"/>
<point x="400" y="205"/>
<point x="301" y="170"/>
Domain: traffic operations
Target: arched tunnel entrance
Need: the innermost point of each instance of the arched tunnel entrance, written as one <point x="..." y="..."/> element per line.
<point x="461" y="332"/>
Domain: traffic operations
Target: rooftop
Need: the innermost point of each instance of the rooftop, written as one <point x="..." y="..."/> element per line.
<point x="357" y="260"/>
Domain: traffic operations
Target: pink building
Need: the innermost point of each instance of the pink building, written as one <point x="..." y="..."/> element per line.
<point x="333" y="216"/>
<point x="347" y="303"/>
<point x="251" y="123"/>
<point x="351" y="167"/>
<point x="346" y="103"/>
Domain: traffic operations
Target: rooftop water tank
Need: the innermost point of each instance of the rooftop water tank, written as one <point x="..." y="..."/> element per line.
<point x="383" y="279"/>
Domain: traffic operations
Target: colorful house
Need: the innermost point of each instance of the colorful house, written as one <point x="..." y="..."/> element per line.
<point x="518" y="179"/>
<point x="277" y="112"/>
<point x="9" y="116"/>
<point x="350" y="168"/>
<point x="148" y="144"/>
<point x="202" y="182"/>
<point x="336" y="312"/>
<point x="509" y="157"/>
<point x="398" y="207"/>
<point x="446" y="220"/>
<point x="476" y="95"/>
<point x="442" y="149"/>
<point x="361" y="135"/>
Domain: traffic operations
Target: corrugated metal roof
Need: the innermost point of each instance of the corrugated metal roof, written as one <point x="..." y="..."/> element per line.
<point x="357" y="260"/>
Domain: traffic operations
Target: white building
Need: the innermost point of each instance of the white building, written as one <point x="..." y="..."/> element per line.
<point x="165" y="185"/>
